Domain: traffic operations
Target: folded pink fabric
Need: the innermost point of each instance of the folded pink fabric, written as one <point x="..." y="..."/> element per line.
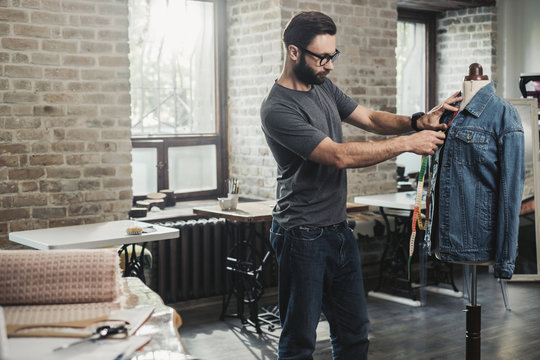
<point x="59" y="276"/>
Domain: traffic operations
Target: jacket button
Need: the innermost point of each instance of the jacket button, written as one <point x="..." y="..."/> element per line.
<point x="469" y="137"/>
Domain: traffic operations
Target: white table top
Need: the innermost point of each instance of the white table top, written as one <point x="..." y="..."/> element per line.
<point x="91" y="236"/>
<point x="400" y="200"/>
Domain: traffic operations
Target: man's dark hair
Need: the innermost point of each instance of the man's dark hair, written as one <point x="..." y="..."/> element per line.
<point x="304" y="26"/>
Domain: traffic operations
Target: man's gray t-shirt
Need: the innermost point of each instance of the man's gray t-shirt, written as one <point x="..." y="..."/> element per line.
<point x="294" y="123"/>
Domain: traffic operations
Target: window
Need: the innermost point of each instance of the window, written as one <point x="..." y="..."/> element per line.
<point x="176" y="84"/>
<point x="415" y="58"/>
<point x="411" y="64"/>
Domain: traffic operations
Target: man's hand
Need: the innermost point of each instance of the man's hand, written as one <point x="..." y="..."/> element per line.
<point x="425" y="142"/>
<point x="430" y="121"/>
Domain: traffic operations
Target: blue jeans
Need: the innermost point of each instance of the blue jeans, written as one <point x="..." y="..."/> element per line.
<point x="320" y="270"/>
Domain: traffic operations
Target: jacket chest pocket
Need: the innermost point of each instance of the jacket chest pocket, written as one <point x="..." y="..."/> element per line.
<point x="471" y="147"/>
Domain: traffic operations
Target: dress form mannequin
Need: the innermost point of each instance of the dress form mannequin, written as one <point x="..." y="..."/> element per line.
<point x="472" y="83"/>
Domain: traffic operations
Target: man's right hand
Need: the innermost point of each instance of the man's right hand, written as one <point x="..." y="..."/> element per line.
<point x="425" y="142"/>
<point x="430" y="121"/>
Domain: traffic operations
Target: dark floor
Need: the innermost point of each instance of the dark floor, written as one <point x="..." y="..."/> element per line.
<point x="435" y="331"/>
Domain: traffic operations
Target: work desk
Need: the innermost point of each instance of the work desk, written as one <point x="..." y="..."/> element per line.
<point x="161" y="328"/>
<point x="245" y="260"/>
<point x="393" y="266"/>
<point x="98" y="235"/>
<point x="91" y="236"/>
<point x="399" y="200"/>
<point x="182" y="210"/>
<point x="253" y="211"/>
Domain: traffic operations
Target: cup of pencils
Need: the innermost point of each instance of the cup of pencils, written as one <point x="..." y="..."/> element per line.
<point x="231" y="201"/>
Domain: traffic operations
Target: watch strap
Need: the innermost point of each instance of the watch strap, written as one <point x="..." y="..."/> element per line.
<point x="414" y="120"/>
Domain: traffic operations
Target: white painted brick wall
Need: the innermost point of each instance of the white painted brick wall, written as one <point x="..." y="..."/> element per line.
<point x="64" y="97"/>
<point x="464" y="37"/>
<point x="65" y="147"/>
<point x="366" y="71"/>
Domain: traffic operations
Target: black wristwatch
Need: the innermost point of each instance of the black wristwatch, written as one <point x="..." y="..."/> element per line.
<point x="414" y="119"/>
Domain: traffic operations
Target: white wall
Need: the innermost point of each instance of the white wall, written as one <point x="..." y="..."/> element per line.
<point x="518" y="44"/>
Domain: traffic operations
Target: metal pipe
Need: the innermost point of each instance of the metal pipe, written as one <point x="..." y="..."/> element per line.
<point x="473" y="286"/>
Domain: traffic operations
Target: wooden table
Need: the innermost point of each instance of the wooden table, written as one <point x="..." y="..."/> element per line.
<point x="246" y="215"/>
<point x="255" y="211"/>
<point x="252" y="211"/>
<point x="244" y="264"/>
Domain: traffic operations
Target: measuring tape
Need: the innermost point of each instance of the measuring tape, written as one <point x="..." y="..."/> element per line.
<point x="417" y="215"/>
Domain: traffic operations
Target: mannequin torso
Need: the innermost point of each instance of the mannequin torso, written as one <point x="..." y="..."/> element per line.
<point x="470" y="86"/>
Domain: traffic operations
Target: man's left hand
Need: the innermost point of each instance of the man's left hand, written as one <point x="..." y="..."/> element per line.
<point x="430" y="121"/>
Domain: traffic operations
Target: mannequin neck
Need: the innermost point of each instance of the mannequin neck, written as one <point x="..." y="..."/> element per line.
<point x="469" y="89"/>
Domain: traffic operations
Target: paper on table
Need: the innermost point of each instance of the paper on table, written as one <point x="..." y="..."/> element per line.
<point x="134" y="317"/>
<point x="42" y="348"/>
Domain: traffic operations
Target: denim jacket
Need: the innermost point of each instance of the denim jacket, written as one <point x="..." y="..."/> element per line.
<point x="480" y="172"/>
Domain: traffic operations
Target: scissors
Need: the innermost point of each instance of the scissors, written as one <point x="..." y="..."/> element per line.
<point x="101" y="332"/>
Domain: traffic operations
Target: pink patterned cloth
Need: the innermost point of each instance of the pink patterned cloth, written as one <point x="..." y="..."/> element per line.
<point x="59" y="276"/>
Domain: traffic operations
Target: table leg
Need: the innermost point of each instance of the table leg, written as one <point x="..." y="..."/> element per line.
<point x="386" y="248"/>
<point x="133" y="264"/>
<point x="393" y="265"/>
<point x="422" y="259"/>
<point x="244" y="270"/>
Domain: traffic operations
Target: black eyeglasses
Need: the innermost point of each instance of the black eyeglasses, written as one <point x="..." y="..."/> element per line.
<point x="324" y="59"/>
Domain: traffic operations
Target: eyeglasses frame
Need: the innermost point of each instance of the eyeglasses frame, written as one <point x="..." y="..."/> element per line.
<point x="321" y="58"/>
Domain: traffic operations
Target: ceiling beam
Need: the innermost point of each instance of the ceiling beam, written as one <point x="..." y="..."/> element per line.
<point x="442" y="5"/>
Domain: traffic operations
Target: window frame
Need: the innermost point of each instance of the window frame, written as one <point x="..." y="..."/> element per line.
<point x="429" y="19"/>
<point x="220" y="138"/>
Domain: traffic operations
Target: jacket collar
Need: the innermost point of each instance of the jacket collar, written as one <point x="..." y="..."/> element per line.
<point x="479" y="101"/>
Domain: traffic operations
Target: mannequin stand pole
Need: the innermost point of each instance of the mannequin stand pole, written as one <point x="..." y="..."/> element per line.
<point x="474" y="312"/>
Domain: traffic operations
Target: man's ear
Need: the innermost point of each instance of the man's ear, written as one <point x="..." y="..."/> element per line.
<point x="294" y="52"/>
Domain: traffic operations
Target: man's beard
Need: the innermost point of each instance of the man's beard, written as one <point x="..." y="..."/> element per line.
<point x="306" y="74"/>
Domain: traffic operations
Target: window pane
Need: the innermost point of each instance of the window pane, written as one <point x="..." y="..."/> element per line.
<point x="172" y="67"/>
<point x="192" y="168"/>
<point x="411" y="67"/>
<point x="144" y="173"/>
<point x="411" y="79"/>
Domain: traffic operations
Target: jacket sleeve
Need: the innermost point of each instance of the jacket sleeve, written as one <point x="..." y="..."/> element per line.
<point x="512" y="166"/>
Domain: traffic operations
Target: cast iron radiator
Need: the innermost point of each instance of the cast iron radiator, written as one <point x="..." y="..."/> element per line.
<point x="193" y="265"/>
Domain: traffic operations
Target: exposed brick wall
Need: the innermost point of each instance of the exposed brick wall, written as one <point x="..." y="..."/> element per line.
<point x="465" y="37"/>
<point x="64" y="90"/>
<point x="254" y="62"/>
<point x="366" y="71"/>
<point x="64" y="113"/>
